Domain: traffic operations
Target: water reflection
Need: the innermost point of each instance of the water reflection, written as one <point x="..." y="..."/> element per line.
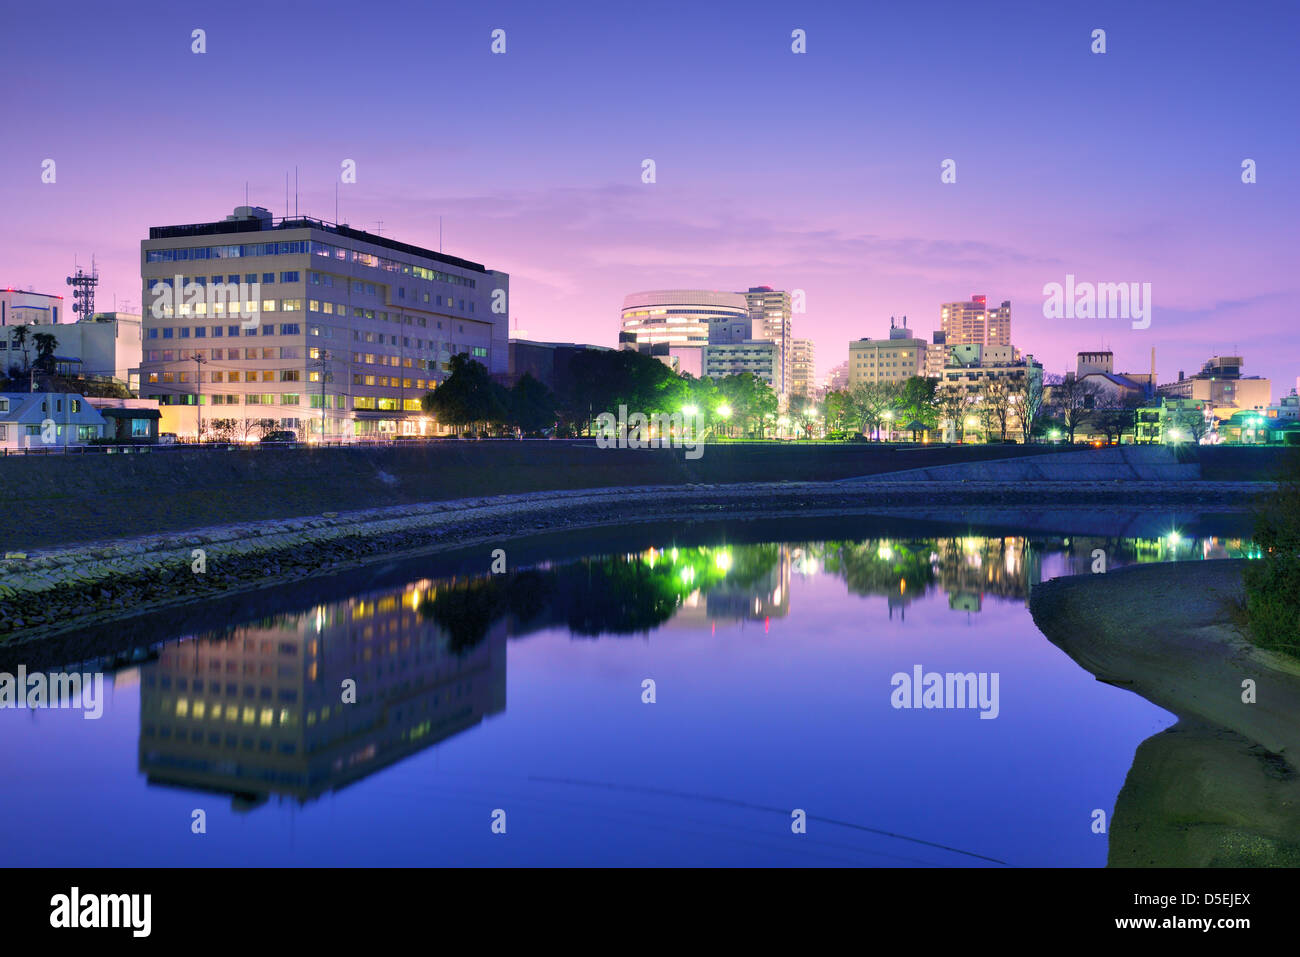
<point x="259" y="709"/>
<point x="262" y="710"/>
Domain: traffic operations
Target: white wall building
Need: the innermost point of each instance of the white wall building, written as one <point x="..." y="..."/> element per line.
<point x="18" y="308"/>
<point x="351" y="329"/>
<point x="46" y="420"/>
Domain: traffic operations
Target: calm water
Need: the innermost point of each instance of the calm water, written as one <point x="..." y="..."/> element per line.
<point x="772" y="667"/>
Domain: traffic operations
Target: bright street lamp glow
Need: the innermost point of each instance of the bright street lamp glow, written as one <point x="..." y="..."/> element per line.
<point x="724" y="410"/>
<point x="689" y="410"/>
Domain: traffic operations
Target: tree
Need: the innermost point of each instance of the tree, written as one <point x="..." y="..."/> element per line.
<point x="916" y="400"/>
<point x="20" y="340"/>
<point x="1190" y="420"/>
<point x="1115" y="413"/>
<point x="222" y="430"/>
<point x="1073" y="400"/>
<point x="45" y="343"/>
<point x="253" y="428"/>
<point x="870" y="402"/>
<point x="1030" y="394"/>
<point x="468" y="396"/>
<point x="997" y="404"/>
<point x="532" y="405"/>
<point x="953" y="402"/>
<point x="599" y="381"/>
<point x="752" y="400"/>
<point x="837" y="407"/>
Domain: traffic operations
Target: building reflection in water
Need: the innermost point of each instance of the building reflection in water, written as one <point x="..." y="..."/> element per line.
<point x="260" y="710"/>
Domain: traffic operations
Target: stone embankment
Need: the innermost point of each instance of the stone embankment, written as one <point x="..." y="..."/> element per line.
<point x="60" y="589"/>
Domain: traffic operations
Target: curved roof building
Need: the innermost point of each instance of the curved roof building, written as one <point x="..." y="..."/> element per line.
<point x="678" y="317"/>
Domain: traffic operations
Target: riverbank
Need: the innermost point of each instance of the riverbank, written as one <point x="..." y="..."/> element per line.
<point x="52" y="500"/>
<point x="1219" y="788"/>
<point x="57" y="590"/>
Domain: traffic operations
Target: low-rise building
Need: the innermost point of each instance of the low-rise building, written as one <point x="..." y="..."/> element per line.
<point x="1221" y="383"/>
<point x="128" y="420"/>
<point x="895" y="359"/>
<point x="104" y="348"/>
<point x="547" y="362"/>
<point x="972" y="367"/>
<point x="47" y="420"/>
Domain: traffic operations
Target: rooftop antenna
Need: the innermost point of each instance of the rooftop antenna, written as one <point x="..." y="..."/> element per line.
<point x="336" y="204"/>
<point x="439" y="234"/>
<point x="286" y="194"/>
<point x="295" y="191"/>
<point x="379" y="226"/>
<point x="245" y="192"/>
<point x="83" y="289"/>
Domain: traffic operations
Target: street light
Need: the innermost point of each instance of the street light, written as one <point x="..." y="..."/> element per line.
<point x="689" y="410"/>
<point x="724" y="410"/>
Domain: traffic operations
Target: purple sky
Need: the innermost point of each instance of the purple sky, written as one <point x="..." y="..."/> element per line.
<point x="817" y="171"/>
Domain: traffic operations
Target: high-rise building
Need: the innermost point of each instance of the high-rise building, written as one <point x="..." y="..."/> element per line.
<point x="973" y="323"/>
<point x="803" y="363"/>
<point x="769" y="314"/>
<point x="349" y="330"/>
<point x="998" y="325"/>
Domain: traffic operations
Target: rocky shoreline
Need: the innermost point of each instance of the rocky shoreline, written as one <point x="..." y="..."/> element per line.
<point x="58" y="590"/>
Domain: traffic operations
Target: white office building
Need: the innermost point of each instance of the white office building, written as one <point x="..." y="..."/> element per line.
<point x="348" y="329"/>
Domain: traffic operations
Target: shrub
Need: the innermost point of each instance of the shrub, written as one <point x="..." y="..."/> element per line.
<point x="1273" y="582"/>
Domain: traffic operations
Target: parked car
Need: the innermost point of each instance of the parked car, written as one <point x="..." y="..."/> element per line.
<point x="283" y="437"/>
<point x="167" y="438"/>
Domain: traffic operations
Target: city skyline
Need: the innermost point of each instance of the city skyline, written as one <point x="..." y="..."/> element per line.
<point x="555" y="196"/>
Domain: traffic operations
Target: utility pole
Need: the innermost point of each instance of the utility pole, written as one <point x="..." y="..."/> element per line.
<point x="198" y="397"/>
<point x="322" y="362"/>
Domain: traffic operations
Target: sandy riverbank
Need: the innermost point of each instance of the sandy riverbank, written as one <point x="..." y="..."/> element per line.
<point x="1219" y="788"/>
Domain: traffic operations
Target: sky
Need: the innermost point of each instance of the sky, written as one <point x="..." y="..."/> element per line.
<point x="817" y="171"/>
